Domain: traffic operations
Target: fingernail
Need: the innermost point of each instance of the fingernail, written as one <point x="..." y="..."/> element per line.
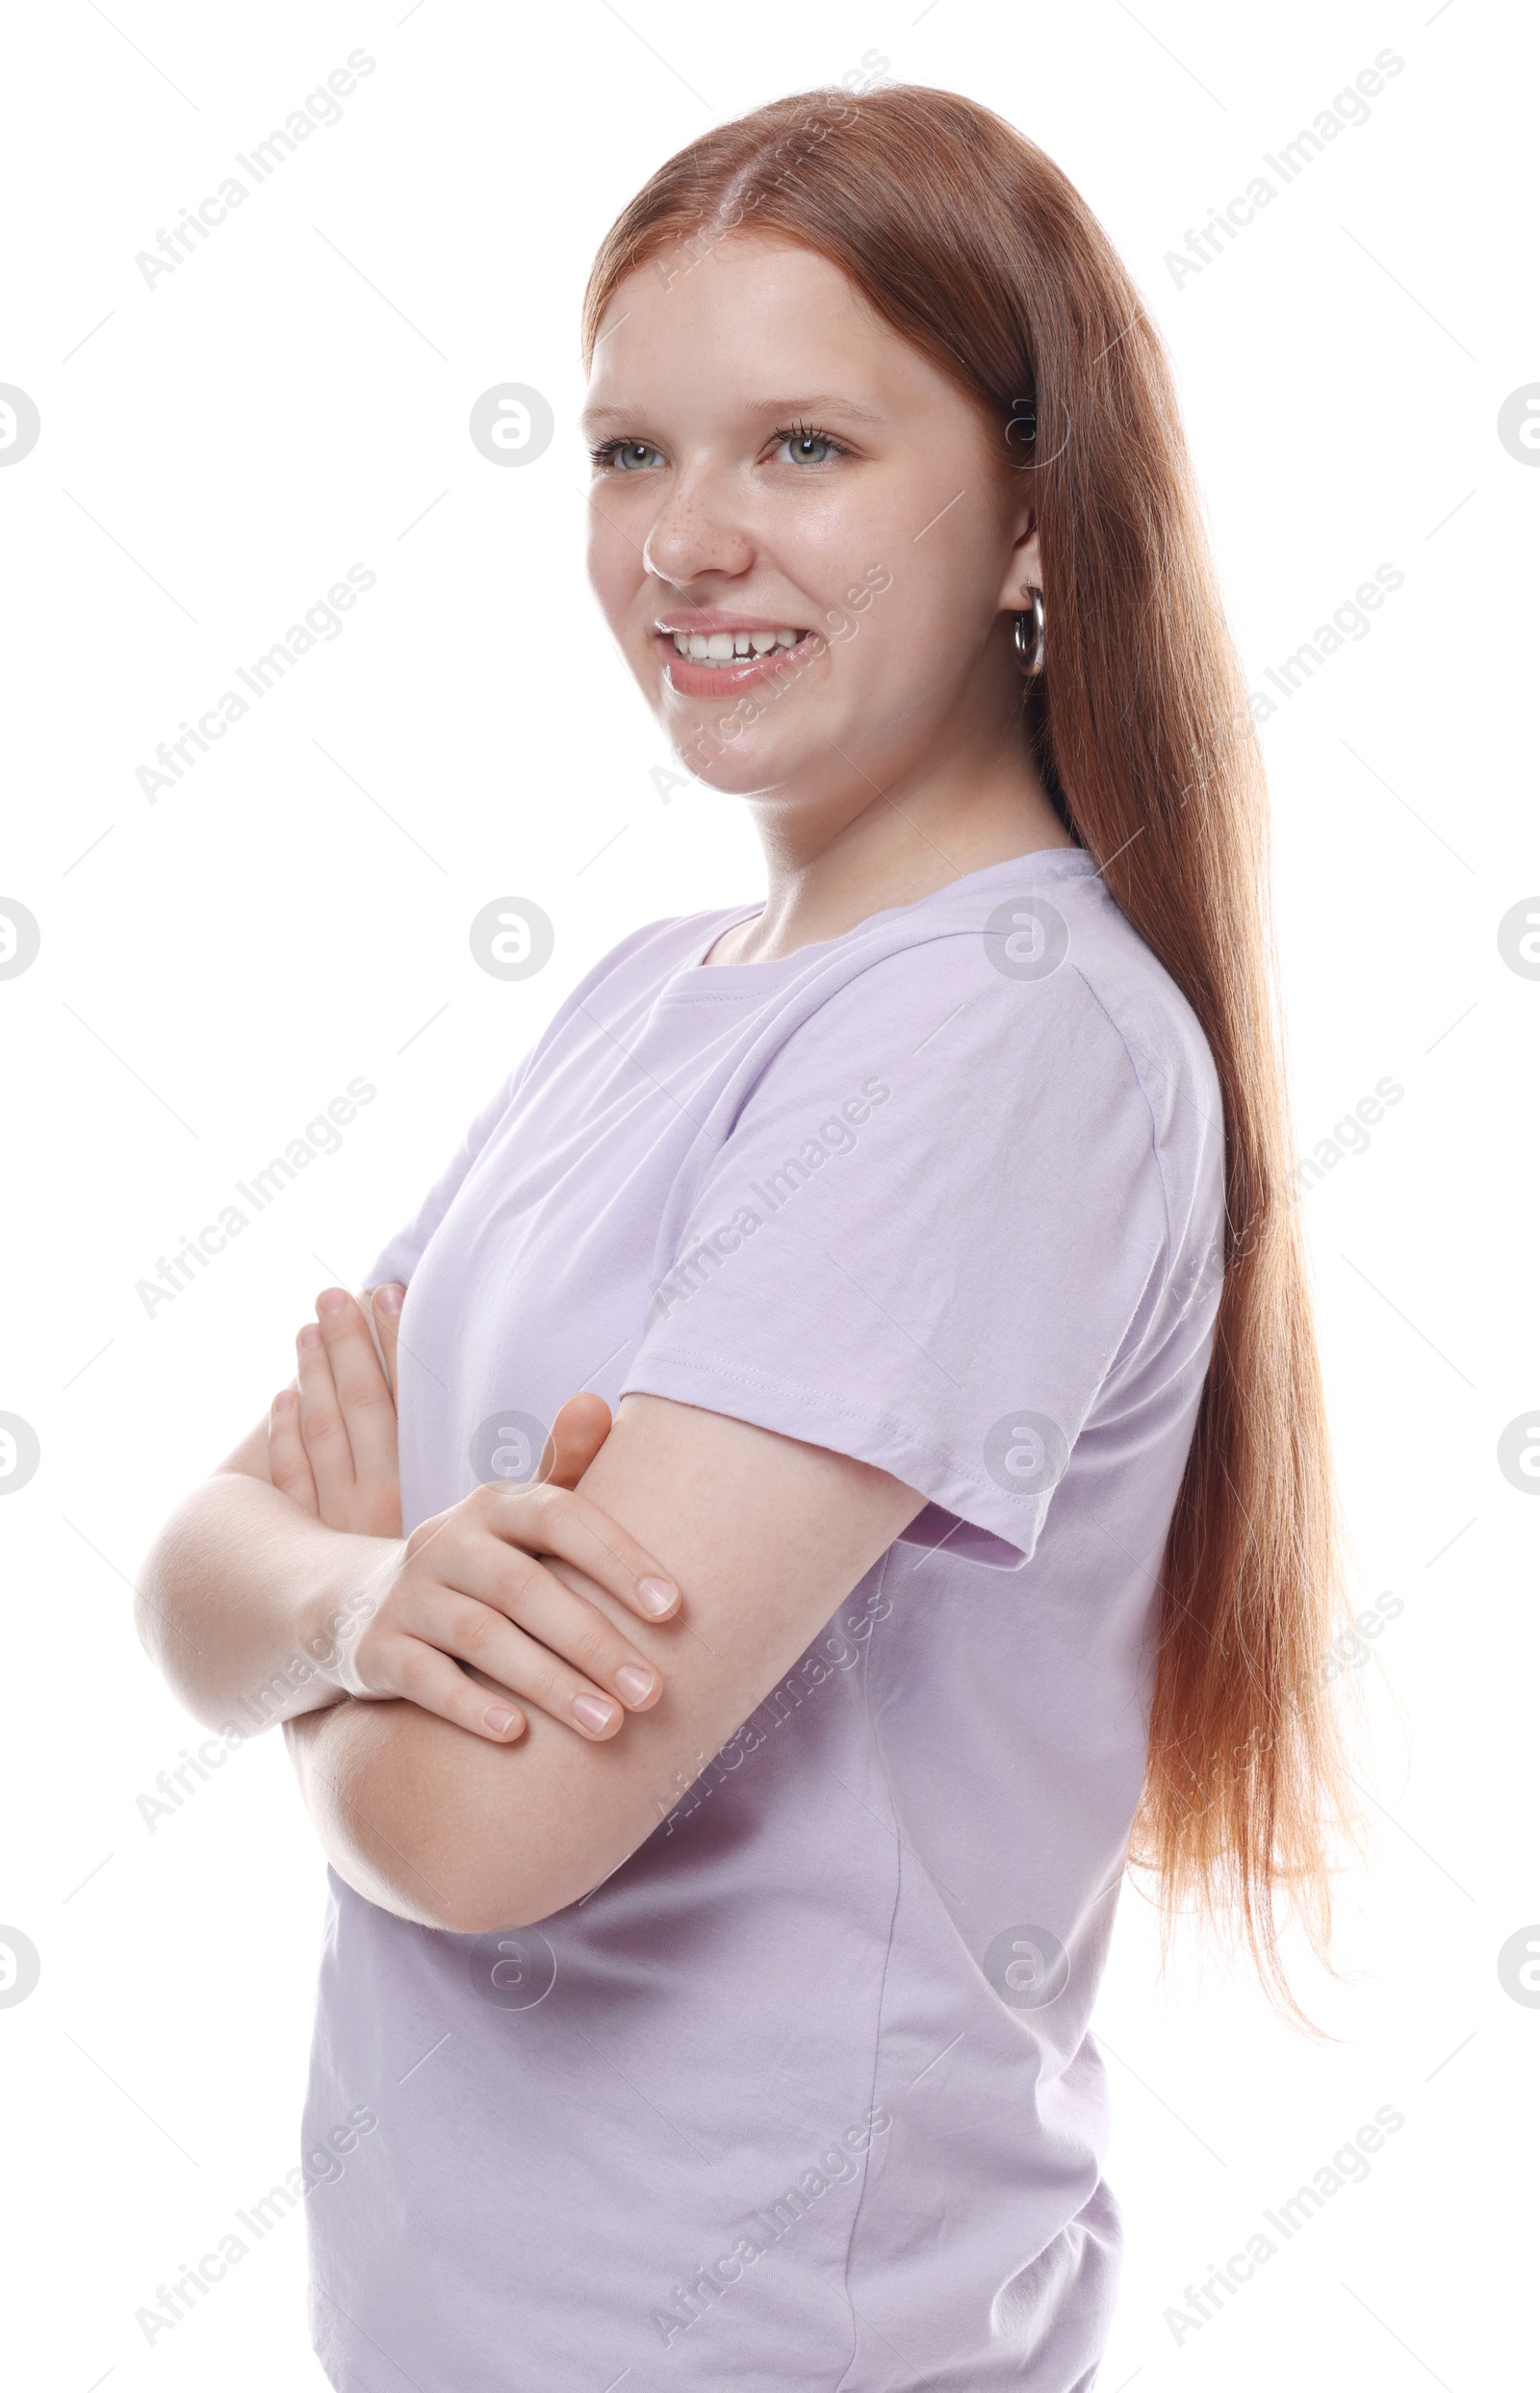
<point x="390" y="1297"/>
<point x="497" y="1720"/>
<point x="635" y="1685"/>
<point x="592" y="1710"/>
<point x="655" y="1595"/>
<point x="310" y="1335"/>
<point x="285" y="1401"/>
<point x="331" y="1302"/>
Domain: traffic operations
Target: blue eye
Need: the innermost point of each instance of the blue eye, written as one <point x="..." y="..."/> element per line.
<point x="627" y="457"/>
<point x="805" y="446"/>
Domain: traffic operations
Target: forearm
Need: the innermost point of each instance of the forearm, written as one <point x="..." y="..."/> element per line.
<point x="764" y="1535"/>
<point x="400" y="1802"/>
<point x="456" y="1832"/>
<point x="245" y="1603"/>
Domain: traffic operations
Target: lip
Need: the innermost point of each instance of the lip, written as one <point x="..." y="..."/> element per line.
<point x="697" y="680"/>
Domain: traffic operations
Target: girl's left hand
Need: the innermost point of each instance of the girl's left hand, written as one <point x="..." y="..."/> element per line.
<point x="332" y="1449"/>
<point x="331" y="1436"/>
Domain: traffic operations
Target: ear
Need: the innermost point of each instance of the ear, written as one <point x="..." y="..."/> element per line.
<point x="1025" y="569"/>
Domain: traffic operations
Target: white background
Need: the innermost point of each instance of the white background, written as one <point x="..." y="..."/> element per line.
<point x="215" y="967"/>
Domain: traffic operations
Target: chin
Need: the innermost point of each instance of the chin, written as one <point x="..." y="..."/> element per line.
<point x="756" y="760"/>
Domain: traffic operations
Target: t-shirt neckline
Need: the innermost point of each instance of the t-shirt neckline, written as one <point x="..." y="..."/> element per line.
<point x="1056" y="862"/>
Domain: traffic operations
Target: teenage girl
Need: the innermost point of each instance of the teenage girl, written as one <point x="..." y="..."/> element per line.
<point x="850" y="1456"/>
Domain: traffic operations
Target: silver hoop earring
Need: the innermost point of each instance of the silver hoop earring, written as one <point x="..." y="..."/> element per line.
<point x="1029" y="631"/>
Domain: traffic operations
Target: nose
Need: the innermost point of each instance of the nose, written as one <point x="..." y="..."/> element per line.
<point x="697" y="532"/>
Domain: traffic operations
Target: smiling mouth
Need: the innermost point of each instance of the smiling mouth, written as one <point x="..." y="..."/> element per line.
<point x="726" y="664"/>
<point x="721" y="650"/>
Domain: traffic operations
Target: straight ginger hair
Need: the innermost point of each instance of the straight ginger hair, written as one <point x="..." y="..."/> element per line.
<point x="972" y="245"/>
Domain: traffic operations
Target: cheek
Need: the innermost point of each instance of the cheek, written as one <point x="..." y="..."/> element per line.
<point x="615" y="571"/>
<point x="946" y="596"/>
<point x="897" y="624"/>
<point x="836" y="550"/>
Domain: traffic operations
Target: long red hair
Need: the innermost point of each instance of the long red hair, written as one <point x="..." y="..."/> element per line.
<point x="973" y="245"/>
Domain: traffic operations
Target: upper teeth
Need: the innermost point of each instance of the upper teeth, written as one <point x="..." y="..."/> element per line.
<point x="721" y="648"/>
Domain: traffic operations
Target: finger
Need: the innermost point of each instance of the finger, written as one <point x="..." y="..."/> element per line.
<point x="428" y="1678"/>
<point x="386" y="1310"/>
<point x="538" y="1665"/>
<point x="577" y="1434"/>
<point x="287" y="1459"/>
<point x="362" y="1392"/>
<point x="321" y="1421"/>
<point x="507" y="1584"/>
<point x="554" y="1520"/>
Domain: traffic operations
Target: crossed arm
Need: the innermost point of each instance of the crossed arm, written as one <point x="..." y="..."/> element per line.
<point x="419" y="1801"/>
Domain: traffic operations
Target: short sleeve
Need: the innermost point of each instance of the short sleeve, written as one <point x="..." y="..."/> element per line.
<point x="936" y="1227"/>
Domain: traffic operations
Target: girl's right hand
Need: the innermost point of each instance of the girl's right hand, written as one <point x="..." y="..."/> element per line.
<point x="462" y="1615"/>
<point x="466" y="1617"/>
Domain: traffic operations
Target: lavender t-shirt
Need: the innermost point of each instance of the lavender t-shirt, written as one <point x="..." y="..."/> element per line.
<point x="803" y="2096"/>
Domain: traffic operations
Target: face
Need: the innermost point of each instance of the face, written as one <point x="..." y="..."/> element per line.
<point x="803" y="536"/>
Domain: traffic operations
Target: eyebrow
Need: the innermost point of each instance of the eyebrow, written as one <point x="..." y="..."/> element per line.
<point x="805" y="403"/>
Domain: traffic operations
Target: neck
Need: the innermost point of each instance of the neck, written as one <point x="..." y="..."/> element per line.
<point x="834" y="857"/>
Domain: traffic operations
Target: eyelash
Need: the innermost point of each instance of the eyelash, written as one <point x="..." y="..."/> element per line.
<point x="809" y="432"/>
<point x="605" y="455"/>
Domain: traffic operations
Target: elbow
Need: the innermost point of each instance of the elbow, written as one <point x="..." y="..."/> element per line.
<point x="481" y="1913"/>
<point x="481" y="1902"/>
<point x="472" y="1895"/>
<point x="471" y="1906"/>
<point x="417" y="1817"/>
<point x="399" y="1844"/>
<point x="501" y="1880"/>
<point x="523" y="1908"/>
